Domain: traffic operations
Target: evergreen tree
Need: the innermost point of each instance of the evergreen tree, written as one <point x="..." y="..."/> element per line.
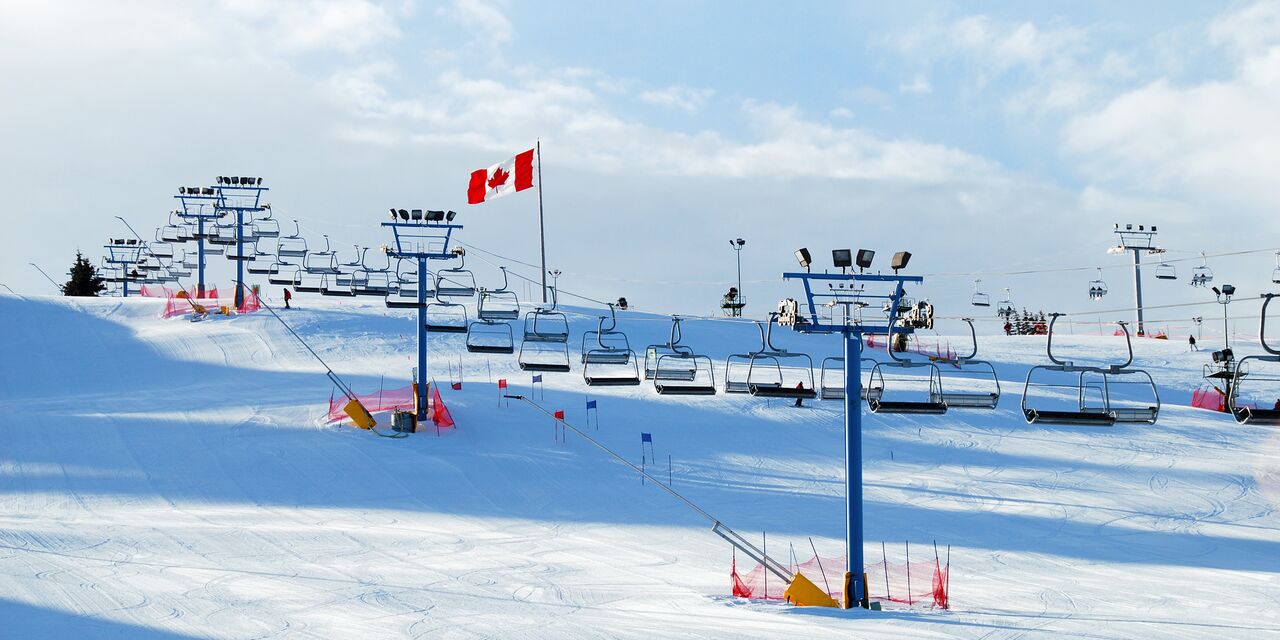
<point x="85" y="280"/>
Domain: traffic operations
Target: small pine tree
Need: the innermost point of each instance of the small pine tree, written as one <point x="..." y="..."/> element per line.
<point x="85" y="280"/>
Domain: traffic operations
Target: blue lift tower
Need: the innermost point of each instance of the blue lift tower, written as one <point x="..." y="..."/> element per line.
<point x="422" y="236"/>
<point x="239" y="195"/>
<point x="835" y="294"/>
<point x="199" y="207"/>
<point x="123" y="255"/>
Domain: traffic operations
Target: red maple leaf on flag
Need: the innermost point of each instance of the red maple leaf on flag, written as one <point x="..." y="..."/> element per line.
<point x="499" y="178"/>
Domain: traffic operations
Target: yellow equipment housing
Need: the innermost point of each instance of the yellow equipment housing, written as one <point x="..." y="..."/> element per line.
<point x="359" y="414"/>
<point x="804" y="593"/>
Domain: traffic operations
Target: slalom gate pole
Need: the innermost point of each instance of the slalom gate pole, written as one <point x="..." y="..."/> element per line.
<point x="717" y="527"/>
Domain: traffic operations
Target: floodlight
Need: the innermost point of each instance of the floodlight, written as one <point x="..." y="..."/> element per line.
<point x="449" y="216"/>
<point x="622" y="303"/>
<point x="1141" y="227"/>
<point x="803" y="257"/>
<point x="842" y="258"/>
<point x="900" y="260"/>
<point x="416" y="214"/>
<point x="1216" y="292"/>
<point x="259" y="181"/>
<point x="404" y="215"/>
<point x="865" y="256"/>
<point x="1128" y="227"/>
<point x="434" y="215"/>
<point x="393" y="214"/>
<point x="1228" y="290"/>
<point x="182" y="190"/>
<point x="1153" y="228"/>
<point x="740" y="242"/>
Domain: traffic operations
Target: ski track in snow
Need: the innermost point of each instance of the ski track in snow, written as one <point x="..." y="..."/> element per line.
<point x="171" y="479"/>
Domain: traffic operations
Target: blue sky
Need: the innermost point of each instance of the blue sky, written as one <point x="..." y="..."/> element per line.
<point x="984" y="137"/>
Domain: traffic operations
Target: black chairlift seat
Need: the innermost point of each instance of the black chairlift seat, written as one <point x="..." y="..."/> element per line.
<point x="1096" y="418"/>
<point x="1250" y="415"/>
<point x="960" y="400"/>
<point x="612" y="349"/>
<point x="904" y="406"/>
<point x="490" y="337"/>
<point x="781" y="391"/>
<point x="445" y="317"/>
<point x="544" y="366"/>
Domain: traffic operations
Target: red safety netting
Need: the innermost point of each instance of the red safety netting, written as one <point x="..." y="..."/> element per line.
<point x="907" y="583"/>
<point x="1158" y="335"/>
<point x="389" y="400"/>
<point x="180" y="302"/>
<point x="1209" y="398"/>
<point x="936" y="351"/>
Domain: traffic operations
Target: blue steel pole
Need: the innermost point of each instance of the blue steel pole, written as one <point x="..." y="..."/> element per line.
<point x="200" y="251"/>
<point x="239" y="299"/>
<point x="126" y="281"/>
<point x="853" y="460"/>
<point x="422" y="339"/>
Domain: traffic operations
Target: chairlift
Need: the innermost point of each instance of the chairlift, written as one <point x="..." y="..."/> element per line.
<point x="160" y="249"/>
<point x="1275" y="273"/>
<point x="306" y="281"/>
<point x="607" y="358"/>
<point x="831" y="382"/>
<point x="498" y="304"/>
<point x="321" y="261"/>
<point x="1264" y="414"/>
<point x="403" y="293"/>
<point x="676" y="370"/>
<point x="981" y="388"/>
<point x="267" y="227"/>
<point x="171" y="232"/>
<point x="1202" y="275"/>
<point x="545" y="343"/>
<point x="372" y="283"/>
<point x="765" y="374"/>
<point x="1005" y="307"/>
<point x="1097" y="288"/>
<point x="885" y="392"/>
<point x="281" y="273"/>
<point x="189" y="259"/>
<point x="457" y="282"/>
<point x="292" y="246"/>
<point x="446" y="317"/>
<point x="246" y="251"/>
<point x="490" y="336"/>
<point x="262" y="262"/>
<point x="1166" y="271"/>
<point x="979" y="299"/>
<point x="1095" y="401"/>
<point x="221" y="234"/>
<point x="329" y="286"/>
<point x="348" y="270"/>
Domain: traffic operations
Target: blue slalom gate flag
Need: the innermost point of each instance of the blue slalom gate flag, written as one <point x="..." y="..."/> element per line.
<point x="646" y="437"/>
<point x="591" y="404"/>
<point x="537" y="378"/>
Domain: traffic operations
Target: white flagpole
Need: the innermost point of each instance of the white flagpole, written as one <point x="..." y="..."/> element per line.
<point x="542" y="233"/>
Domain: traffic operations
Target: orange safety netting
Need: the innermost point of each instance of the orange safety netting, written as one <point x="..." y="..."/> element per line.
<point x="906" y="583"/>
<point x="180" y="302"/>
<point x="392" y="399"/>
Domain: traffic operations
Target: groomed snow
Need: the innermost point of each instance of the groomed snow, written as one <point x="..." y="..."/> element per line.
<point x="161" y="478"/>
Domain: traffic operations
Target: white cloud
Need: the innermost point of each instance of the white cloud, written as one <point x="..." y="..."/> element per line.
<point x="490" y="26"/>
<point x="687" y="99"/>
<point x="919" y="86"/>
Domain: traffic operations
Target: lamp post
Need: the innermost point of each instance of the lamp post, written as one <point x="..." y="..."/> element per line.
<point x="735" y="305"/>
<point x="1224" y="299"/>
<point x="1199" y="320"/>
<point x="46" y="276"/>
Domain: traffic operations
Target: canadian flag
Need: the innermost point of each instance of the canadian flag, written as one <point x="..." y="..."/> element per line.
<point x="501" y="179"/>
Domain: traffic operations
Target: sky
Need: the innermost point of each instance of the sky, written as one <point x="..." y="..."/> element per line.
<point x="985" y="138"/>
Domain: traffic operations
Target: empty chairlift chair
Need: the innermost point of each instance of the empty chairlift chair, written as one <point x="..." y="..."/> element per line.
<point x="607" y="357"/>
<point x="831" y="382"/>
<point x="446" y="317"/>
<point x="291" y="249"/>
<point x="545" y="343"/>
<point x="973" y="383"/>
<point x="498" y="304"/>
<point x="895" y="387"/>
<point x="979" y="299"/>
<point x="404" y="289"/>
<point x="490" y="336"/>
<point x="457" y="282"/>
<point x="1252" y="377"/>
<point x="676" y="370"/>
<point x="768" y="373"/>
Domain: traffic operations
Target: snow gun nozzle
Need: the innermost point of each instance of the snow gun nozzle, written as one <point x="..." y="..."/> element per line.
<point x="513" y="397"/>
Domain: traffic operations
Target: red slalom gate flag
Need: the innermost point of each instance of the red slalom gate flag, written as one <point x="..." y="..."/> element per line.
<point x="501" y="179"/>
<point x="502" y="383"/>
<point x="560" y="415"/>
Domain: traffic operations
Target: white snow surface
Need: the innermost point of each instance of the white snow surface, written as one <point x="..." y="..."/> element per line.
<point x="162" y="478"/>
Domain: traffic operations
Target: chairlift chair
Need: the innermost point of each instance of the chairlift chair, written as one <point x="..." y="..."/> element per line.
<point x="160" y="249"/>
<point x="981" y="373"/>
<point x="1097" y="288"/>
<point x="607" y="358"/>
<point x="457" y="282"/>
<point x="403" y="293"/>
<point x="1275" y="273"/>
<point x="267" y="227"/>
<point x="306" y="281"/>
<point x="329" y="286"/>
<point x="348" y="270"/>
<point x="281" y="273"/>
<point x="545" y="342"/>
<point x="1166" y="271"/>
<point x="490" y="336"/>
<point x="321" y="262"/>
<point x="676" y="370"/>
<point x="262" y="262"/>
<point x="171" y="232"/>
<point x="765" y="374"/>
<point x="1094" y="387"/>
<point x="1263" y="415"/>
<point x="831" y="383"/>
<point x="445" y="317"/>
<point x="1006" y="306"/>
<point x="498" y="304"/>
<point x="246" y="252"/>
<point x="221" y="234"/>
<point x="884" y="392"/>
<point x="292" y="246"/>
<point x="372" y="283"/>
<point x="979" y="299"/>
<point x="1202" y="275"/>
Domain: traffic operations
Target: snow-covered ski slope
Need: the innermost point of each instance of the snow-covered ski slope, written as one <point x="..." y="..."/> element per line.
<point x="161" y="478"/>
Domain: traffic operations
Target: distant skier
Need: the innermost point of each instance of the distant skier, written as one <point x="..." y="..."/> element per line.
<point x="799" y="400"/>
<point x="287" y="297"/>
<point x="1008" y="328"/>
<point x="1192" y="341"/>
